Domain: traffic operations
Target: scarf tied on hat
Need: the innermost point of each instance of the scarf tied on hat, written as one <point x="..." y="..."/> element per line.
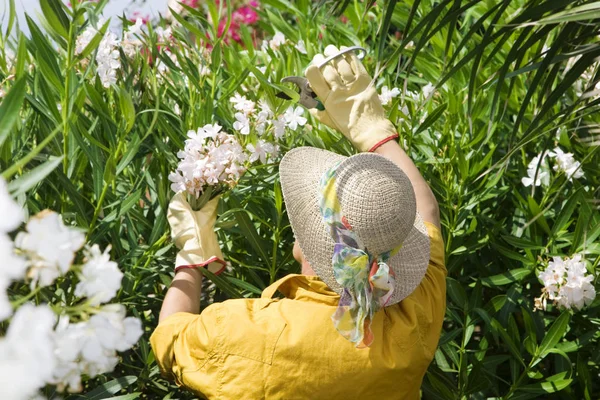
<point x="367" y="281"/>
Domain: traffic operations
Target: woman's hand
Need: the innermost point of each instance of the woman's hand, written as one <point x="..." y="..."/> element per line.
<point x="194" y="235"/>
<point x="352" y="105"/>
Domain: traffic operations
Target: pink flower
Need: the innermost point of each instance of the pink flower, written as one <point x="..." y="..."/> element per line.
<point x="190" y="3"/>
<point x="245" y="15"/>
<point x="137" y="15"/>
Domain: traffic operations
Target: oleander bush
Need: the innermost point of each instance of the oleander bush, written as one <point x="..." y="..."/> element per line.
<point x="497" y="103"/>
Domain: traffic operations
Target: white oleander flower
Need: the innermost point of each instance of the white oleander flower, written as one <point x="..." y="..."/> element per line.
<point x="84" y="39"/>
<point x="566" y="163"/>
<point x="130" y="43"/>
<point x="260" y="150"/>
<point x="12" y="268"/>
<point x="27" y="353"/>
<point x="277" y="41"/>
<point x="387" y="95"/>
<point x="242" y="124"/>
<point x="280" y="125"/>
<point x="427" y="90"/>
<point x="241" y="103"/>
<point x="301" y="47"/>
<point x="108" y="59"/>
<point x="543" y="172"/>
<point x="567" y="283"/>
<point x="12" y="213"/>
<point x="210" y="157"/>
<point x="100" y="278"/>
<point x="50" y="247"/>
<point x="293" y="117"/>
<point x="176" y="109"/>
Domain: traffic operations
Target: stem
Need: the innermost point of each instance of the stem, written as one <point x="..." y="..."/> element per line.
<point x="24" y="299"/>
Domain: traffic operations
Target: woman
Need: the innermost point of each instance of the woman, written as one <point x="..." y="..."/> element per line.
<point x="364" y="318"/>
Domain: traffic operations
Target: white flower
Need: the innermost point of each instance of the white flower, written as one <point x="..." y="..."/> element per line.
<point x="11" y="212"/>
<point x="242" y="124"/>
<point x="84" y="39"/>
<point x="241" y="103"/>
<point x="543" y="173"/>
<point x="50" y="247"/>
<point x="163" y="35"/>
<point x="387" y="95"/>
<point x="212" y="131"/>
<point x="277" y="41"/>
<point x="566" y="163"/>
<point x="131" y="43"/>
<point x="108" y="59"/>
<point x="12" y="268"/>
<point x="260" y="151"/>
<point x="279" y="124"/>
<point x="204" y="70"/>
<point x="300" y="46"/>
<point x="100" y="278"/>
<point x="293" y="117"/>
<point x="428" y="90"/>
<point x="26" y="352"/>
<point x="567" y="283"/>
<point x="176" y="109"/>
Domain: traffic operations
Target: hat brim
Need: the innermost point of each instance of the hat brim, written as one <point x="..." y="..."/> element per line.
<point x="300" y="172"/>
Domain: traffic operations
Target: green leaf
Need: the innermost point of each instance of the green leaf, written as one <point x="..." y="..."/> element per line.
<point x="514" y="275"/>
<point x="10" y="107"/>
<point x="109" y="388"/>
<point x="33" y="177"/>
<point x="127" y="108"/>
<point x="512" y="347"/>
<point x="249" y="230"/>
<point x="130" y="396"/>
<point x="457" y="293"/>
<point x="538" y="215"/>
<point x="222" y="283"/>
<point x="555" y="333"/>
<point x="55" y="16"/>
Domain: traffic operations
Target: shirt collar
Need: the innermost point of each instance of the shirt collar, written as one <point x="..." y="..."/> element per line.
<point x="303" y="288"/>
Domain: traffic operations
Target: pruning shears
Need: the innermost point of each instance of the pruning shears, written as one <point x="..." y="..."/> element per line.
<point x="308" y="98"/>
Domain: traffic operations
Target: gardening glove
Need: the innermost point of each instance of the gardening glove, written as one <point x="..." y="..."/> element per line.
<point x="352" y="105"/>
<point x="194" y="235"/>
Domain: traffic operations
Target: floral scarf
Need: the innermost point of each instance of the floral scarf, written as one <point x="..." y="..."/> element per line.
<point x="368" y="282"/>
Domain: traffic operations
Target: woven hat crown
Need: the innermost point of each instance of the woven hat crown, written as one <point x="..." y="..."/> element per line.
<point x="378" y="201"/>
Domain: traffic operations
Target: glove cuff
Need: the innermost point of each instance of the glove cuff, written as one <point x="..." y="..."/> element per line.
<point x="185" y="259"/>
<point x="387" y="139"/>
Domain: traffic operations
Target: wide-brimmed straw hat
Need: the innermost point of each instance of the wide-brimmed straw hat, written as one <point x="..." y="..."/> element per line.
<point x="378" y="201"/>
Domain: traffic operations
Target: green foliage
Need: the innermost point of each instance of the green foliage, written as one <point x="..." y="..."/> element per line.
<point x="512" y="79"/>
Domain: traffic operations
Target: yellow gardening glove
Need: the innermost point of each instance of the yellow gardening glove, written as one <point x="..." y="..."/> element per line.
<point x="194" y="234"/>
<point x="352" y="105"/>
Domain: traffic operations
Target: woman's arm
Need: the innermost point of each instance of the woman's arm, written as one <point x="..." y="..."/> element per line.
<point x="427" y="204"/>
<point x="183" y="294"/>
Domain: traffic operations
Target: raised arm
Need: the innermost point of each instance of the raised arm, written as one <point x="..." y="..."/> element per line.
<point x="427" y="204"/>
<point x="352" y="106"/>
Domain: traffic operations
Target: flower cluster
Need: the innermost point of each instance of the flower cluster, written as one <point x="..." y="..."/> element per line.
<point x="567" y="283"/>
<point x="90" y="347"/>
<point x="34" y="355"/>
<point x="538" y="170"/>
<point x="107" y="56"/>
<point x="210" y="157"/>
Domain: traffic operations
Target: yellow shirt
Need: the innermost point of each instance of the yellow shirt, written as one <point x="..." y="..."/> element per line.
<point x="289" y="349"/>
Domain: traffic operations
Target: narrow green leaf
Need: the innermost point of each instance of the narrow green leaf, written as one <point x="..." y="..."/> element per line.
<point x="10" y="107"/>
<point x="514" y="275"/>
<point x="55" y="16"/>
<point x="555" y="333"/>
<point x="109" y="388"/>
<point x="31" y="178"/>
<point x="127" y="108"/>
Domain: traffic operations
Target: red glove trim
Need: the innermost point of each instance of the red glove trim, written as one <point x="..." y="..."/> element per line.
<point x="204" y="264"/>
<point x="387" y="139"/>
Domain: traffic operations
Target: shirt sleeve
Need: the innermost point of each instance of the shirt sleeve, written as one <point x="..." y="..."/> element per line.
<point x="184" y="342"/>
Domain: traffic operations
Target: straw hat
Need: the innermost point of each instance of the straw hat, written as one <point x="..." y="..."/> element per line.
<point x="378" y="201"/>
